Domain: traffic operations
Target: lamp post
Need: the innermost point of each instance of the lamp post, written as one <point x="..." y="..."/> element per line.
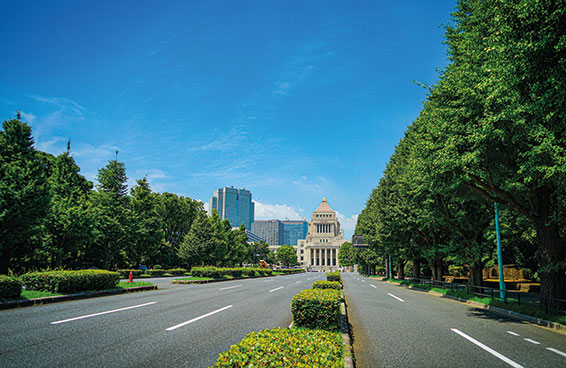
<point x="499" y="255"/>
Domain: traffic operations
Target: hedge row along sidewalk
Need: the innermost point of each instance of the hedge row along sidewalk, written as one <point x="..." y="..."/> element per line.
<point x="501" y="309"/>
<point x="206" y="275"/>
<point x="62" y="286"/>
<point x="327" y="345"/>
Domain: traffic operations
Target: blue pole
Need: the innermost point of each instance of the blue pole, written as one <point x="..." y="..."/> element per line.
<point x="499" y="255"/>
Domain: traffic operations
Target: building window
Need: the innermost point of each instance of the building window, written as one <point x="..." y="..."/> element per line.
<point x="302" y="259"/>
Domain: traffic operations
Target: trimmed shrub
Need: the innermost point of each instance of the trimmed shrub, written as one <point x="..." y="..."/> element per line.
<point x="264" y="271"/>
<point x="126" y="273"/>
<point x="234" y="272"/>
<point x="70" y="281"/>
<point x="158" y="272"/>
<point x="283" y="347"/>
<point x="249" y="271"/>
<point x="317" y="308"/>
<point x="334" y="276"/>
<point x="177" y="271"/>
<point x="10" y="287"/>
<point x="207" y="272"/>
<point x="327" y="285"/>
<point x="291" y="270"/>
<point x="157" y="267"/>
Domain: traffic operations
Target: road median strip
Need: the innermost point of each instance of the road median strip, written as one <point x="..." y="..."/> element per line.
<point x="63" y="298"/>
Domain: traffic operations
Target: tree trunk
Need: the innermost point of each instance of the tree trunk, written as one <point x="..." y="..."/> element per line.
<point x="437" y="268"/>
<point x="401" y="270"/>
<point x="476" y="276"/>
<point x="551" y="255"/>
<point x="416" y="268"/>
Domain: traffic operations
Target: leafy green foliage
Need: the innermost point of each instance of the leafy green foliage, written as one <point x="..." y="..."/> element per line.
<point x="156" y="273"/>
<point x="346" y="254"/>
<point x="318" y="309"/>
<point x="126" y="273"/>
<point x="290" y="271"/>
<point x="278" y="348"/>
<point x="327" y="285"/>
<point x="24" y="195"/>
<point x="10" y="287"/>
<point x="70" y="281"/>
<point x="177" y="271"/>
<point x="334" y="276"/>
<point x="287" y="255"/>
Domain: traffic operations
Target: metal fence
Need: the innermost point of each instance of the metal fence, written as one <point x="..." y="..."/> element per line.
<point x="521" y="298"/>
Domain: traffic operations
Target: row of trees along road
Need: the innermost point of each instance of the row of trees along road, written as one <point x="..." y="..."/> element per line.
<point x="51" y="216"/>
<point x="493" y="129"/>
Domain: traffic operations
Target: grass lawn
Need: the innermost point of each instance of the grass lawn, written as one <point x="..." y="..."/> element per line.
<point x="34" y="294"/>
<point x="523" y="308"/>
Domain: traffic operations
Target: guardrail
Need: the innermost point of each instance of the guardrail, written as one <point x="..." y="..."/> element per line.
<point x="495" y="294"/>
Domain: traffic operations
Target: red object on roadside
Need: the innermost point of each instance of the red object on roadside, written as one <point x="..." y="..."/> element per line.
<point x="131" y="278"/>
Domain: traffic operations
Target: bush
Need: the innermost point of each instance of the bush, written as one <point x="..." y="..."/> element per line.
<point x="10" y="287"/>
<point x="317" y="308"/>
<point x="234" y="272"/>
<point x="327" y="285"/>
<point x="177" y="271"/>
<point x="70" y="281"/>
<point x="249" y="271"/>
<point x="291" y="270"/>
<point x="278" y="347"/>
<point x="156" y="272"/>
<point x="209" y="271"/>
<point x="157" y="267"/>
<point x="126" y="273"/>
<point x="334" y="276"/>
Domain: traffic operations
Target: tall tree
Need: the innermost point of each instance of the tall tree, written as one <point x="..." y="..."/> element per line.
<point x="287" y="255"/>
<point x="146" y="230"/>
<point x="499" y="112"/>
<point x="195" y="250"/>
<point x="346" y="254"/>
<point x="112" y="211"/>
<point x="24" y="196"/>
<point x="68" y="223"/>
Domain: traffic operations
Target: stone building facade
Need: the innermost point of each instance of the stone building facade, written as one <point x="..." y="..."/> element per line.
<point x="319" y="250"/>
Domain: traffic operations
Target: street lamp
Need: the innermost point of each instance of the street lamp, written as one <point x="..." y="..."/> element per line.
<point x="499" y="255"/>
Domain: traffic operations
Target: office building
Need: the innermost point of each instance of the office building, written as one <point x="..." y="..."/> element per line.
<point x="294" y="230"/>
<point x="233" y="204"/>
<point x="269" y="230"/>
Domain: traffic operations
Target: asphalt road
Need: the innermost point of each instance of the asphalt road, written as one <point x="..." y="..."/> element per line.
<point x="177" y="326"/>
<point x="397" y="327"/>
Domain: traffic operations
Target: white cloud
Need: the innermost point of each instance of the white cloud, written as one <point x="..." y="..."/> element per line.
<point x="347" y="223"/>
<point x="28" y="117"/>
<point x="52" y="146"/>
<point x="266" y="211"/>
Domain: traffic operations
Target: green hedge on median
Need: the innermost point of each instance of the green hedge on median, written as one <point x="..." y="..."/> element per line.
<point x="10" y="287"/>
<point x="327" y="285"/>
<point x="70" y="281"/>
<point x="334" y="276"/>
<point x="126" y="273"/>
<point x="318" y="309"/>
<point x="177" y="271"/>
<point x="291" y="271"/>
<point x="278" y="348"/>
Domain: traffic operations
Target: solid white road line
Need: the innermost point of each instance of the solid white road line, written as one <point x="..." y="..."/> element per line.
<point x="396" y="297"/>
<point x="364" y="281"/>
<point x="230" y="287"/>
<point x="557" y="351"/>
<point x="513" y="333"/>
<point x="196" y="319"/>
<point x="298" y="282"/>
<point x="101" y="313"/>
<point x="373" y="286"/>
<point x="532" y="341"/>
<point x="280" y="287"/>
<point x="488" y="349"/>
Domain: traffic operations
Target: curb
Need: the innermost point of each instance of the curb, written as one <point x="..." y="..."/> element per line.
<point x="64" y="298"/>
<point x="554" y="326"/>
<point x="348" y="351"/>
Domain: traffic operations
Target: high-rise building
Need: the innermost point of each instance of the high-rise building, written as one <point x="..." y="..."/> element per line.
<point x="233" y="204"/>
<point x="294" y="230"/>
<point x="269" y="230"/>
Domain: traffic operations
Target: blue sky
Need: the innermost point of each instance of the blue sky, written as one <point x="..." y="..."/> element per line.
<point x="294" y="100"/>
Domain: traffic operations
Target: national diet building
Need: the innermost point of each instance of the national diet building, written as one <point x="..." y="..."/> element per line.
<point x="319" y="251"/>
